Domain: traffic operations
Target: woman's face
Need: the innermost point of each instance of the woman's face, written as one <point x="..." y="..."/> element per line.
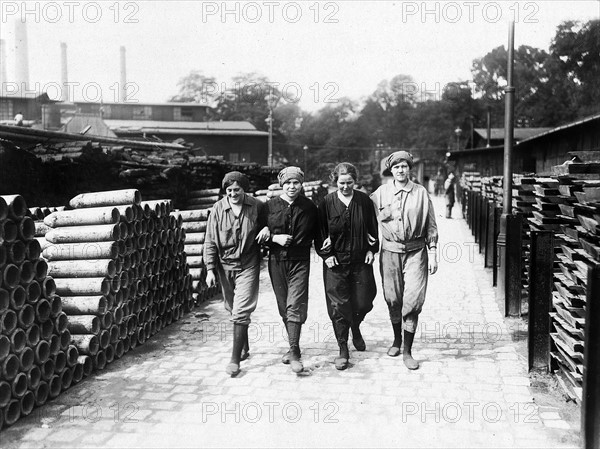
<point x="292" y="188"/>
<point x="345" y="184"/>
<point x="400" y="171"/>
<point x="235" y="193"/>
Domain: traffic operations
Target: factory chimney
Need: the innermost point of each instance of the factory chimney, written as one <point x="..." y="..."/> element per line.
<point x="21" y="57"/>
<point x="64" y="79"/>
<point x="122" y="89"/>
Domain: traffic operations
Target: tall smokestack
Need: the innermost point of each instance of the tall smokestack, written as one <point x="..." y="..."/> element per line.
<point x="63" y="73"/>
<point x="21" y="56"/>
<point x="3" y="75"/>
<point x="122" y="90"/>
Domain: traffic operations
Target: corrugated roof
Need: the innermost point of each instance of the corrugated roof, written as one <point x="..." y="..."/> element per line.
<point x="79" y="122"/>
<point x="226" y="128"/>
<point x="166" y="103"/>
<point x="568" y="125"/>
<point x="519" y="133"/>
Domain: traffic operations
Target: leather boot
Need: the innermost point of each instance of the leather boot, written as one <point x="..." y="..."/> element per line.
<point x="285" y="359"/>
<point x="294" y="329"/>
<point x="407" y="352"/>
<point x="394" y="350"/>
<point x="341" y="331"/>
<point x="240" y="338"/>
<point x="357" y="338"/>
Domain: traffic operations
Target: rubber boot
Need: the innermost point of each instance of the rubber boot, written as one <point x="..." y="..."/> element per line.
<point x="407" y="352"/>
<point x="294" y="329"/>
<point x="357" y="338"/>
<point x="341" y="331"/>
<point x="394" y="350"/>
<point x="240" y="338"/>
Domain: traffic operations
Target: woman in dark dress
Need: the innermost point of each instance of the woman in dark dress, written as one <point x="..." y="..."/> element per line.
<point x="347" y="242"/>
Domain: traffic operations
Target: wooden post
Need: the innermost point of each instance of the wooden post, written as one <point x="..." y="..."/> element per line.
<point x="590" y="407"/>
<point x="512" y="266"/>
<point x="541" y="263"/>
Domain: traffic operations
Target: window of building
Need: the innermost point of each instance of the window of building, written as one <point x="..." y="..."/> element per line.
<point x="6" y="110"/>
<point x="142" y="112"/>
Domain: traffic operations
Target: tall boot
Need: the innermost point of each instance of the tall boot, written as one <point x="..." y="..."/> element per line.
<point x="294" y="329"/>
<point x="394" y="350"/>
<point x="240" y="338"/>
<point x="357" y="338"/>
<point x="407" y="352"/>
<point x="285" y="359"/>
<point x="341" y="331"/>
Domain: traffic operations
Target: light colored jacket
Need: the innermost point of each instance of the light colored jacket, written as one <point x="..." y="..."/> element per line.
<point x="406" y="217"/>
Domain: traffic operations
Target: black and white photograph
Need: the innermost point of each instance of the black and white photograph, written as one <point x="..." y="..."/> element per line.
<point x="299" y="224"/>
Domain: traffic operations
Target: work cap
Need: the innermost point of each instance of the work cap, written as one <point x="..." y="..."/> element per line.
<point x="398" y="156"/>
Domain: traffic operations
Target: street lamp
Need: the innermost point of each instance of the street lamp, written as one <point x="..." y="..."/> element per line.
<point x="272" y="101"/>
<point x="305" y="148"/>
<point x="458" y="133"/>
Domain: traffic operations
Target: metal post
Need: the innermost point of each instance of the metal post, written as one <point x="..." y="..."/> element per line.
<point x="504" y="243"/>
<point x="489" y="236"/>
<point x="483" y="222"/>
<point x="541" y="264"/>
<point x="497" y="214"/>
<point x="270" y="152"/>
<point x="590" y="407"/>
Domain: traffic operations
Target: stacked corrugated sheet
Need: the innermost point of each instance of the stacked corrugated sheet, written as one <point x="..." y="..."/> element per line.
<point x="37" y="357"/>
<point x="579" y="239"/>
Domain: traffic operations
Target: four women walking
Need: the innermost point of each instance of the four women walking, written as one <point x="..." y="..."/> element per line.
<point x="345" y="231"/>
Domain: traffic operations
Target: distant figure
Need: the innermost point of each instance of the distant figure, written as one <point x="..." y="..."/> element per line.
<point x="450" y="194"/>
<point x="19" y="119"/>
<point x="439" y="183"/>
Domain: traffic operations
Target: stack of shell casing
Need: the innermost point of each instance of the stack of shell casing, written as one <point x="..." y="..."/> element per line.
<point x="37" y="357"/>
<point x="203" y="199"/>
<point x="118" y="264"/>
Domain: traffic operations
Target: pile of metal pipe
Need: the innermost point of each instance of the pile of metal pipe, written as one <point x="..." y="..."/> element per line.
<point x="37" y="358"/>
<point x="120" y="267"/>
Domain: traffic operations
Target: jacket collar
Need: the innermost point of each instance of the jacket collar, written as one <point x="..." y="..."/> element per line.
<point x="407" y="188"/>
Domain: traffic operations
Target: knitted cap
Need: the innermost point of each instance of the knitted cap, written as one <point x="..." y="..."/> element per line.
<point x="398" y="156"/>
<point x="236" y="176"/>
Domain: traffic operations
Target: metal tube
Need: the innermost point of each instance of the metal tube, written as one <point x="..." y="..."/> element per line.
<point x="509" y="124"/>
<point x="108" y="198"/>
<point x="88" y="216"/>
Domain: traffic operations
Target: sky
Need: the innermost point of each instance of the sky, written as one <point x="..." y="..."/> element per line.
<point x="315" y="52"/>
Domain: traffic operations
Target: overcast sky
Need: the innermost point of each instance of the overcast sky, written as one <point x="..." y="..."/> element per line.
<point x="317" y="51"/>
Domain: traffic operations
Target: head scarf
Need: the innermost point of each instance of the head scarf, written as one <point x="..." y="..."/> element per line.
<point x="290" y="173"/>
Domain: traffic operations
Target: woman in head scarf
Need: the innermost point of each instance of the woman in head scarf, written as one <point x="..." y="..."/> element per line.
<point x="409" y="230"/>
<point x="347" y="242"/>
<point x="292" y="223"/>
<point x="232" y="252"/>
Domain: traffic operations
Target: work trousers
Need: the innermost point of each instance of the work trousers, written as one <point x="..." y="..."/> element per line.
<point x="404" y="279"/>
<point x="240" y="292"/>
<point x="289" y="279"/>
<point x="349" y="290"/>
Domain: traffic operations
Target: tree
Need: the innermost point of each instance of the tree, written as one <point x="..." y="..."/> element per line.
<point x="198" y="88"/>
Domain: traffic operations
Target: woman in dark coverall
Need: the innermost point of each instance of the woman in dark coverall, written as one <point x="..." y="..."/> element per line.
<point x="232" y="251"/>
<point x="347" y="241"/>
<point x="292" y="223"/>
<point x="408" y="232"/>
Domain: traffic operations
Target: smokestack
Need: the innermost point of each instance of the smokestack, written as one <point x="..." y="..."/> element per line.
<point x="3" y="75"/>
<point x="21" y="56"/>
<point x="489" y="125"/>
<point x="63" y="73"/>
<point x="122" y="90"/>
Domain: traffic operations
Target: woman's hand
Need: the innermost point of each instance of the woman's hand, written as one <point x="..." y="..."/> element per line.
<point x="326" y="244"/>
<point x="369" y="258"/>
<point x="282" y="239"/>
<point x="432" y="263"/>
<point x="263" y="235"/>
<point x="331" y="262"/>
<point x="211" y="279"/>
